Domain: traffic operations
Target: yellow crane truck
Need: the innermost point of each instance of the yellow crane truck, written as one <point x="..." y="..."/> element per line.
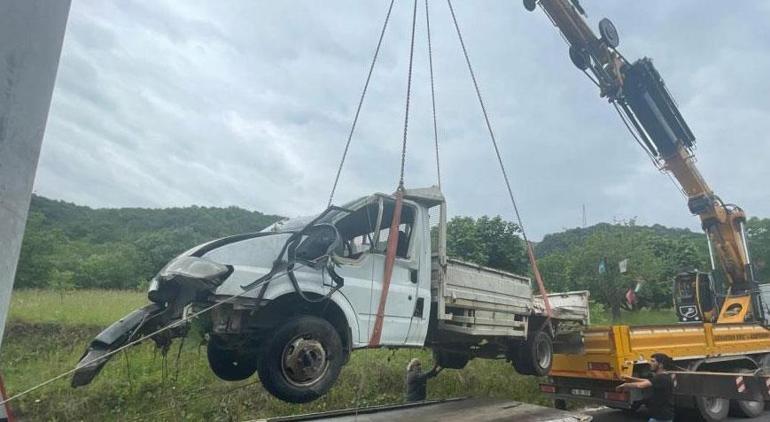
<point x="722" y="332"/>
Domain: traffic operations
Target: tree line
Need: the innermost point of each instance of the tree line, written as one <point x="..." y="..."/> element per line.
<point x="67" y="246"/>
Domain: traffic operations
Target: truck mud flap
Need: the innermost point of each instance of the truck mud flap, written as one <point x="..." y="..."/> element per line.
<point x="113" y="337"/>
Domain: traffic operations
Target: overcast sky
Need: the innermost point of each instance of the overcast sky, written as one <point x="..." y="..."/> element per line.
<point x="248" y="103"/>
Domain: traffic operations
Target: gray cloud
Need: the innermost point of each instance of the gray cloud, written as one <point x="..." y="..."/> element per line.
<point x="249" y="103"/>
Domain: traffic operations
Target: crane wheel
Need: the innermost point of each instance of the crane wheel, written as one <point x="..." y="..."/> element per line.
<point x="609" y="33"/>
<point x="530" y="5"/>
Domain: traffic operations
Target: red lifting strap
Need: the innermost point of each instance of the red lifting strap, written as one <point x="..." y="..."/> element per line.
<point x="5" y="408"/>
<point x="539" y="279"/>
<point x="390" y="259"/>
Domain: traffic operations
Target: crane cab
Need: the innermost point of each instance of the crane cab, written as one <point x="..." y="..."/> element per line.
<point x="695" y="298"/>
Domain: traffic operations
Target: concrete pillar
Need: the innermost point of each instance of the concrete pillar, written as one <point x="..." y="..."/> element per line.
<point x="31" y="35"/>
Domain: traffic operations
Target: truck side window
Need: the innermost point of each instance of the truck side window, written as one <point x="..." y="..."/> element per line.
<point x="361" y="233"/>
<point x="404" y="229"/>
<point x="357" y="231"/>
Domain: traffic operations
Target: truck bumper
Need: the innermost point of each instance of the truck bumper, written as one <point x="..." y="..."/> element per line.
<point x="113" y="337"/>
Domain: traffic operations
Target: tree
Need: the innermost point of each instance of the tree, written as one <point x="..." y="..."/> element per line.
<point x="491" y="242"/>
<point x="655" y="256"/>
<point x="758" y="230"/>
<point x="61" y="281"/>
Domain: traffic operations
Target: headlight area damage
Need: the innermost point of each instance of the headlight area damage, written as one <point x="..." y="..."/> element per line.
<point x="180" y="282"/>
<point x="186" y="287"/>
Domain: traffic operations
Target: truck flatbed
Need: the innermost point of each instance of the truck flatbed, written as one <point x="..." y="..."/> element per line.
<point x="451" y="410"/>
<point x="611" y="352"/>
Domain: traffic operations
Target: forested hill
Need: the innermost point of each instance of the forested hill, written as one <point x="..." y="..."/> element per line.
<point x="102" y="225"/>
<point x="570" y="238"/>
<point x="68" y="245"/>
<point x="71" y="246"/>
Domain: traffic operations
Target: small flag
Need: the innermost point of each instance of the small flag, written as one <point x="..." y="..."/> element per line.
<point x="623" y="266"/>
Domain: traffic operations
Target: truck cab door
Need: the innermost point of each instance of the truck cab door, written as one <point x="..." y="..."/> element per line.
<point x="401" y="297"/>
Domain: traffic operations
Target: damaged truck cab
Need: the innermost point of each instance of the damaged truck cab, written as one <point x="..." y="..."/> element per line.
<point x="292" y="302"/>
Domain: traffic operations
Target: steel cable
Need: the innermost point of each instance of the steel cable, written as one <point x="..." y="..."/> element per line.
<point x="530" y="252"/>
<point x="360" y="104"/>
<point x="432" y="94"/>
<point x="408" y="98"/>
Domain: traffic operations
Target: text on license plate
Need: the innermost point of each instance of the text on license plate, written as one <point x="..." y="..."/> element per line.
<point x="581" y="392"/>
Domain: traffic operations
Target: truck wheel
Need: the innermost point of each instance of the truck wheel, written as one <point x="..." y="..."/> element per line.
<point x="302" y="361"/>
<point x="530" y="5"/>
<point x="230" y="364"/>
<point x="747" y="408"/>
<point x="712" y="409"/>
<point x="450" y="360"/>
<point x="560" y="404"/>
<point x="535" y="355"/>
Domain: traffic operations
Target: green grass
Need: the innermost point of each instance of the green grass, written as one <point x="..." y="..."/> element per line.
<point x="601" y="316"/>
<point x="76" y="307"/>
<point x="48" y="334"/>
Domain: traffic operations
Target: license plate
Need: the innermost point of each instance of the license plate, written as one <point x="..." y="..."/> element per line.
<point x="581" y="392"/>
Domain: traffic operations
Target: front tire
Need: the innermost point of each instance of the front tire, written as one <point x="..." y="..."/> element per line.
<point x="230" y="363"/>
<point x="303" y="360"/>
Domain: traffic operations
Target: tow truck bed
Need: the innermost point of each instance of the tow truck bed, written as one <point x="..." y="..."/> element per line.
<point x="451" y="410"/>
<point x="611" y="352"/>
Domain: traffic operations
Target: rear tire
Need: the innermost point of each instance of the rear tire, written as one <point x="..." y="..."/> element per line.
<point x="450" y="360"/>
<point x="230" y="364"/>
<point x="747" y="408"/>
<point x="560" y="404"/>
<point x="535" y="356"/>
<point x="712" y="409"/>
<point x="303" y="360"/>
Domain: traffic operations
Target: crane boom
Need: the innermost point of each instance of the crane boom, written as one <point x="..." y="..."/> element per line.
<point x="638" y="92"/>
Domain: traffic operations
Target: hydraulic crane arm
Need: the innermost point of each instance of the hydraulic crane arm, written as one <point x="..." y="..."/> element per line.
<point x="639" y="93"/>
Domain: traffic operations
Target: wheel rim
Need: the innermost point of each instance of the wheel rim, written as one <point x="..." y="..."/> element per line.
<point x="543" y="354"/>
<point x="714" y="405"/>
<point x="303" y="361"/>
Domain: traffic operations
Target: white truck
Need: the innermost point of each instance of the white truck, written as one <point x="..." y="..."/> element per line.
<point x="292" y="302"/>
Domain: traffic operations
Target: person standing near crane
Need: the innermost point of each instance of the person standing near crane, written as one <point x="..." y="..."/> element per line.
<point x="661" y="403"/>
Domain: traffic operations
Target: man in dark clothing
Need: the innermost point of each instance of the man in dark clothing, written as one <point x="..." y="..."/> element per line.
<point x="416" y="380"/>
<point x="661" y="403"/>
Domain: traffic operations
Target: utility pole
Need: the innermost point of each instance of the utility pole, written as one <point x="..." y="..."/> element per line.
<point x="31" y="35"/>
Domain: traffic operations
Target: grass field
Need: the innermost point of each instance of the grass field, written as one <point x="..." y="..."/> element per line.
<point x="47" y="334"/>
